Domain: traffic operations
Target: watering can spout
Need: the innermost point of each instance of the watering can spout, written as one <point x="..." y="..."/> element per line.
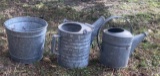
<point x="96" y="25"/>
<point x="136" y="40"/>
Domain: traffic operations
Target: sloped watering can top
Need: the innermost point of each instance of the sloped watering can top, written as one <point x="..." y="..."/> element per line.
<point x="82" y="28"/>
<point x="118" y="32"/>
<point x="25" y="24"/>
<point x="74" y="28"/>
<point x="122" y="33"/>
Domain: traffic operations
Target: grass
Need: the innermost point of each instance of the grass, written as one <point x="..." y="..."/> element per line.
<point x="144" y="61"/>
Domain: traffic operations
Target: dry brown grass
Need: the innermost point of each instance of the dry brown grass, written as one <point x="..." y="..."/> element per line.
<point x="145" y="16"/>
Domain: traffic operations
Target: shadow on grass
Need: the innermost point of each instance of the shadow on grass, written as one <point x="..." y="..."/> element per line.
<point x="55" y="15"/>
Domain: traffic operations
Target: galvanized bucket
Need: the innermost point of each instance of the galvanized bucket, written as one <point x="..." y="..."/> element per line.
<point x="74" y="40"/>
<point x="26" y="38"/>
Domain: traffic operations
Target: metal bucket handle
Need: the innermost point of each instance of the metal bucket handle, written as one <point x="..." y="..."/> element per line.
<point x="106" y="21"/>
<point x="53" y="44"/>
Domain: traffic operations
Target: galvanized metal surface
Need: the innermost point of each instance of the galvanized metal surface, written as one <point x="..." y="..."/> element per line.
<point x="73" y="45"/>
<point x="96" y="26"/>
<point x="115" y="51"/>
<point x="117" y="45"/>
<point x="74" y="50"/>
<point x="74" y="40"/>
<point x="26" y="38"/>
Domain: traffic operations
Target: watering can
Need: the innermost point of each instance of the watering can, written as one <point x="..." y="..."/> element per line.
<point x="117" y="45"/>
<point x="73" y="41"/>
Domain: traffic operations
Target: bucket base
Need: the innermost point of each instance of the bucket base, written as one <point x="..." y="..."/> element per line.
<point x="72" y="65"/>
<point x="113" y="65"/>
<point x="26" y="61"/>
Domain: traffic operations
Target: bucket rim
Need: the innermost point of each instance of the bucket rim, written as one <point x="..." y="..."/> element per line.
<point x="29" y="31"/>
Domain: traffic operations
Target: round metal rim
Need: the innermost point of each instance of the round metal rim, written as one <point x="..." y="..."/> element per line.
<point x="30" y="31"/>
<point x="60" y="27"/>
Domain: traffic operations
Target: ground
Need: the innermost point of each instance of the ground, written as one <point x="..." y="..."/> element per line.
<point x="144" y="15"/>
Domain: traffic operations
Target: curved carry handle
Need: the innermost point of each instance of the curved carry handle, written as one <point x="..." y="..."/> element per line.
<point x="106" y="21"/>
<point x="115" y="17"/>
<point x="53" y="44"/>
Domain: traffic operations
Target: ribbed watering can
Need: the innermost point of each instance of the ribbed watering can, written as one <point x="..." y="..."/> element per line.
<point x="117" y="45"/>
<point x="74" y="40"/>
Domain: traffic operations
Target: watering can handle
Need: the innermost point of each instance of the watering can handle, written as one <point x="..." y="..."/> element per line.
<point x="115" y="17"/>
<point x="53" y="44"/>
<point x="106" y="21"/>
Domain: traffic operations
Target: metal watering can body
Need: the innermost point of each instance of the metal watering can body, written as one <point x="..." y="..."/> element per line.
<point x="74" y="41"/>
<point x="117" y="45"/>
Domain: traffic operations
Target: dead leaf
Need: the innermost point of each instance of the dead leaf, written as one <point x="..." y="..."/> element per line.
<point x="46" y="59"/>
<point x="53" y="66"/>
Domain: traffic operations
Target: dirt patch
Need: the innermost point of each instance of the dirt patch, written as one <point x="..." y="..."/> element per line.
<point x="143" y="16"/>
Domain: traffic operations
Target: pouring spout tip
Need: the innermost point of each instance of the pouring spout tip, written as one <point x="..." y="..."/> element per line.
<point x="146" y="33"/>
